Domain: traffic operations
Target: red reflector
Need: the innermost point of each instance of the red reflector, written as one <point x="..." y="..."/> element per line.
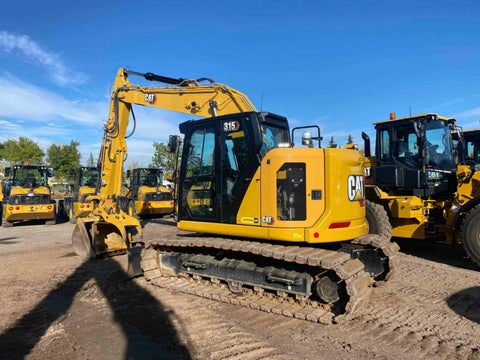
<point x="362" y="202"/>
<point x="149" y="204"/>
<point x="10" y="208"/>
<point x="339" y="225"/>
<point x="17" y="208"/>
<point x="88" y="206"/>
<point x="316" y="235"/>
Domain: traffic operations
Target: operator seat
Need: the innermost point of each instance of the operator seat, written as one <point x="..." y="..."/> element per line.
<point x="30" y="180"/>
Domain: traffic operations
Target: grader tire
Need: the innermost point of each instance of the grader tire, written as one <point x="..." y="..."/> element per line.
<point x="377" y="218"/>
<point x="470" y="234"/>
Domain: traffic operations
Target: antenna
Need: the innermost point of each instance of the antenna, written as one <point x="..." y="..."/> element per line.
<point x="410" y="110"/>
<point x="261" y="105"/>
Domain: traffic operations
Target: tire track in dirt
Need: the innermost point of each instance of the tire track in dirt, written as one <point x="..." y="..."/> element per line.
<point x="411" y="312"/>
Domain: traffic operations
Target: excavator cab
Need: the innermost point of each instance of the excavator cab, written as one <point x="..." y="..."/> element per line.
<point x="415" y="156"/>
<point x="220" y="157"/>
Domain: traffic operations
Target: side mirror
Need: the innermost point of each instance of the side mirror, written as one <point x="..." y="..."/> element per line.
<point x="366" y="140"/>
<point x="307" y="139"/>
<point x="72" y="172"/>
<point x="128" y="174"/>
<point x="49" y="172"/>
<point x="418" y="129"/>
<point x="172" y="146"/>
<point x="7" y="171"/>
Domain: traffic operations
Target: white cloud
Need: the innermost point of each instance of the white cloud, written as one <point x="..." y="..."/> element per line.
<point x="11" y="130"/>
<point x="467" y="114"/>
<point x="25" y="101"/>
<point x="35" y="54"/>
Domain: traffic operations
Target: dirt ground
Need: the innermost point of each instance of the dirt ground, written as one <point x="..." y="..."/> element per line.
<point x="53" y="306"/>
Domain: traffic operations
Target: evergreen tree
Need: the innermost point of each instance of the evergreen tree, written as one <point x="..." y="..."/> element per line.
<point x="331" y="143"/>
<point x="91" y="161"/>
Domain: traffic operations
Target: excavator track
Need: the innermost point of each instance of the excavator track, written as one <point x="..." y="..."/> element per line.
<point x="349" y="273"/>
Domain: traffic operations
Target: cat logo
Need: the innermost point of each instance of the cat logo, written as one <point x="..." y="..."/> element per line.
<point x="355" y="187"/>
<point x="368" y="171"/>
<point x="150" y="98"/>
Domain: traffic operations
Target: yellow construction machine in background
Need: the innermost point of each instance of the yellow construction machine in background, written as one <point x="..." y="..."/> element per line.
<point x="147" y="197"/>
<point x="415" y="181"/>
<point x="468" y="144"/>
<point x="80" y="205"/>
<point x="26" y="195"/>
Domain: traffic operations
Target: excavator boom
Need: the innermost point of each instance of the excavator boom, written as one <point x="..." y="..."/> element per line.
<point x="109" y="228"/>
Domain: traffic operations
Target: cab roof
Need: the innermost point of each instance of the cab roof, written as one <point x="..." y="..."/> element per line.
<point x="33" y="167"/>
<point x="412" y="117"/>
<point x="471" y="131"/>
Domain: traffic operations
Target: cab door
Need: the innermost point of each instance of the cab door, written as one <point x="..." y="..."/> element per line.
<point x="199" y="174"/>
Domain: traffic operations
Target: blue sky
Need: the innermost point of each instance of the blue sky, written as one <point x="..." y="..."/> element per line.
<point x="341" y="65"/>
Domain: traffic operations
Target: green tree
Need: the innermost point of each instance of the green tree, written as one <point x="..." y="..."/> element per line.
<point x="349" y="139"/>
<point x="21" y="150"/>
<point x="162" y="158"/>
<point x="63" y="159"/>
<point x="91" y="161"/>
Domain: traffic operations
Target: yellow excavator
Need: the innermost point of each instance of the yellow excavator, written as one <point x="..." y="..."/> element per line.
<point x="287" y="229"/>
<point x="415" y="182"/>
<point x="147" y="197"/>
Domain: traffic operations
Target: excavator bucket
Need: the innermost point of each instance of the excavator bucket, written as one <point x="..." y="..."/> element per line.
<point x="92" y="238"/>
<point x="81" y="240"/>
<point x="134" y="259"/>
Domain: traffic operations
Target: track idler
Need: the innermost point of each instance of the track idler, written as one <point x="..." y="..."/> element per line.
<point x="328" y="289"/>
